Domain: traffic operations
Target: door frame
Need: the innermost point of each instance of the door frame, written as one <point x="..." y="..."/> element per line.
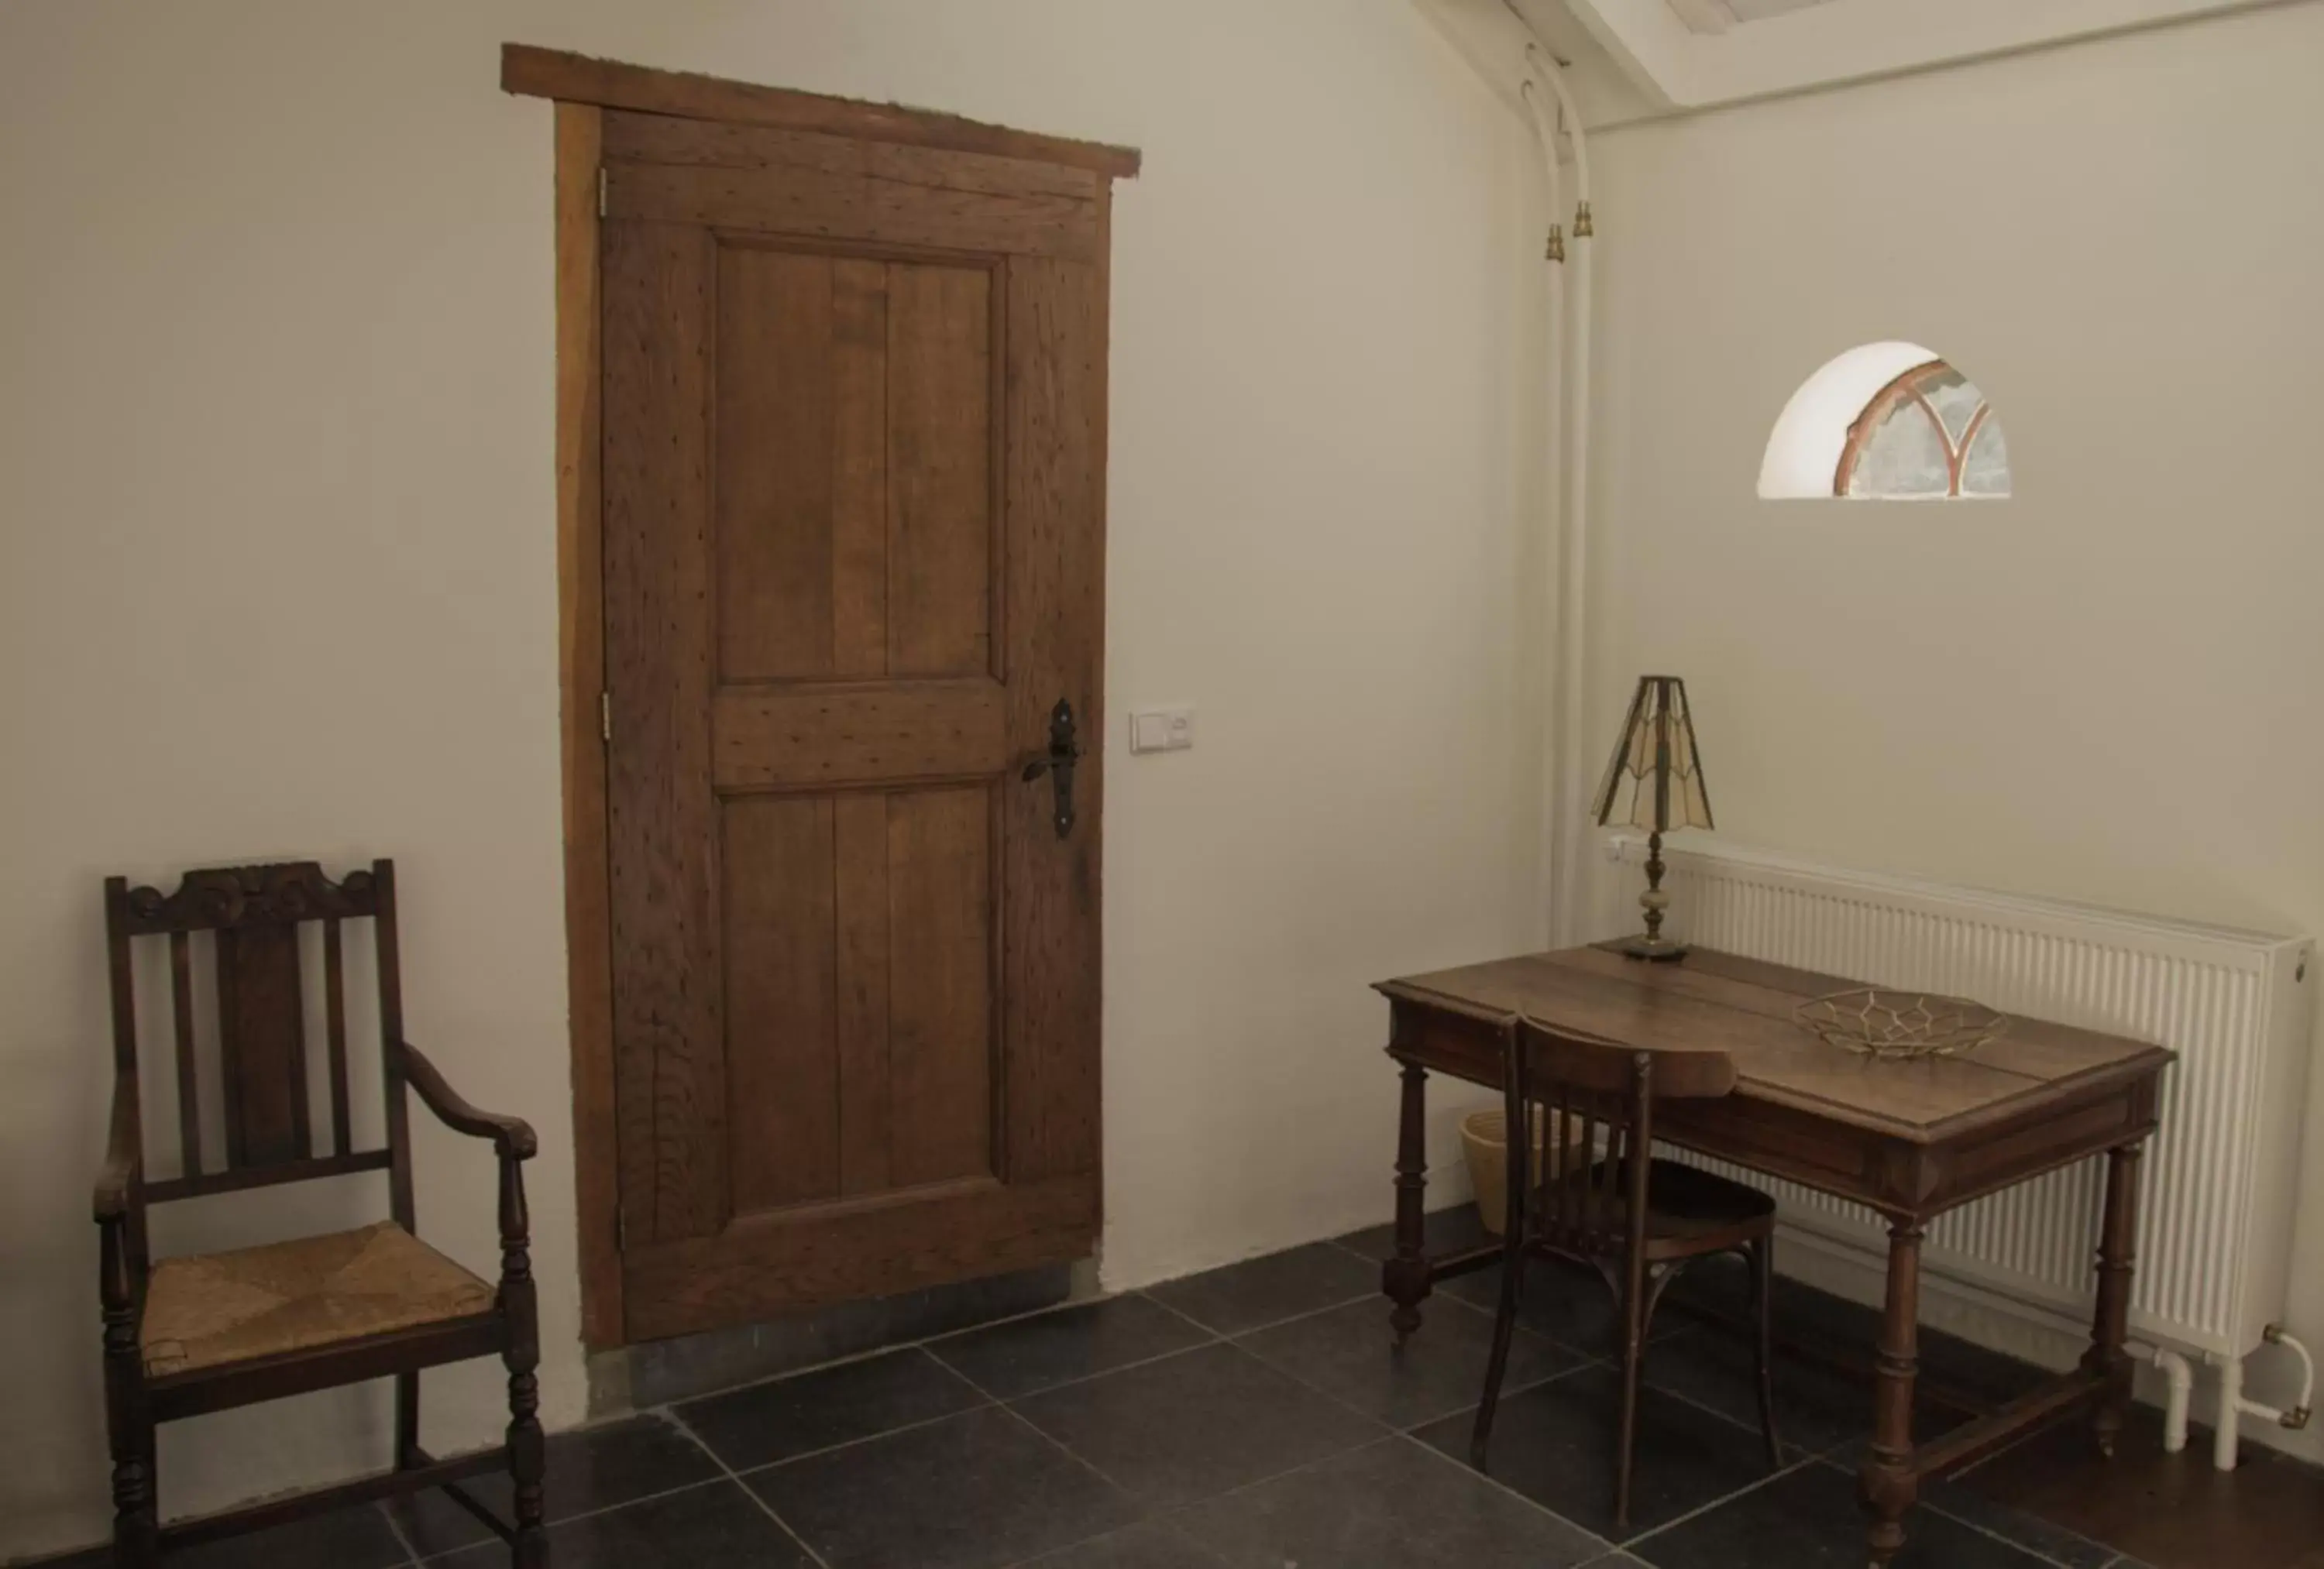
<point x="581" y="90"/>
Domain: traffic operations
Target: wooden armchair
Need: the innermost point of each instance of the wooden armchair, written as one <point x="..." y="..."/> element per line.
<point x="193" y="1335"/>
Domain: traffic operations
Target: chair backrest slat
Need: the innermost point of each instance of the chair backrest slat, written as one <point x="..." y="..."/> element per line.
<point x="190" y="1082"/>
<point x="1589" y="1090"/>
<point x="262" y="1019"/>
<point x="255" y="915"/>
<point x="335" y="1024"/>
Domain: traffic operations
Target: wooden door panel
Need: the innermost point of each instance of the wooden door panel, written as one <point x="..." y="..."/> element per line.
<point x="856" y="508"/>
<point x="861" y="967"/>
<point x="779" y="506"/>
<point x="854" y="557"/>
<point x="941" y="462"/>
<point x="942" y="974"/>
<point x="802" y="502"/>
<point x="863" y="987"/>
<point x="782" y="959"/>
<point x="662" y="824"/>
<point x="860" y="442"/>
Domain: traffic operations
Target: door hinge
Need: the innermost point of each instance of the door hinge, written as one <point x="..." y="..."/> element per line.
<point x="605" y="715"/>
<point x="601" y="190"/>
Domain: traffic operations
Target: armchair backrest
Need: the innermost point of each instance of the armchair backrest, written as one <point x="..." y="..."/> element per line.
<point x="237" y="938"/>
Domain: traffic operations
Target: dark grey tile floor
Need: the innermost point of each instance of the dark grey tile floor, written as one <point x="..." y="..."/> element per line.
<point x="1250" y="1418"/>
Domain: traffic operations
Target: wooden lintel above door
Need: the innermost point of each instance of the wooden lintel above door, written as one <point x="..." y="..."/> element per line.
<point x="578" y="78"/>
<point x="831" y="446"/>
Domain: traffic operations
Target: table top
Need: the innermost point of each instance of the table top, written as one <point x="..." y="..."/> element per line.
<point x="1745" y="1007"/>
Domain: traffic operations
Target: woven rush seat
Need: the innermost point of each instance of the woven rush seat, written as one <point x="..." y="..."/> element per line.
<point x="209" y="1310"/>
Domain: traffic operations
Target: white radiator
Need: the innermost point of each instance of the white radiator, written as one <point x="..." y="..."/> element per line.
<point x="2221" y="1175"/>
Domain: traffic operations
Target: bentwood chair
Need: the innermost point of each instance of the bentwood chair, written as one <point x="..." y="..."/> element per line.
<point x="202" y="1332"/>
<point x="1638" y="1220"/>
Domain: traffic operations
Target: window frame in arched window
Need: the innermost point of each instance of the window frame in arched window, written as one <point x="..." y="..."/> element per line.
<point x="1907" y="388"/>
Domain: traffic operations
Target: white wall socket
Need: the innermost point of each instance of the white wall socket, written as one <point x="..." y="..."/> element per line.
<point x="1161" y="730"/>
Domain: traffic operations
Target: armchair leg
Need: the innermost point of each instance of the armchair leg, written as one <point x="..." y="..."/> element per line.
<point x="526" y="1464"/>
<point x="128" y="1422"/>
<point x="136" y="1526"/>
<point x="407" y="1420"/>
<point x="527" y="1452"/>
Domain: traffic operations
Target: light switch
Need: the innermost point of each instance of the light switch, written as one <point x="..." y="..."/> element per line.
<point x="1161" y="730"/>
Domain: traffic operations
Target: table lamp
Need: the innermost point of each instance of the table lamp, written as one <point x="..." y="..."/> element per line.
<point x="1655" y="781"/>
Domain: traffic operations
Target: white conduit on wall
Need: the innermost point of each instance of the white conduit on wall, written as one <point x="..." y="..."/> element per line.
<point x="1567" y="498"/>
<point x="1554" y="843"/>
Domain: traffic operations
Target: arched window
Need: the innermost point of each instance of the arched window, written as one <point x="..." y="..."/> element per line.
<point x="1927" y="436"/>
<point x="1885" y="421"/>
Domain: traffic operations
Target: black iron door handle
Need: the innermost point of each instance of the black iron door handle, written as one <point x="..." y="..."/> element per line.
<point x="1064" y="749"/>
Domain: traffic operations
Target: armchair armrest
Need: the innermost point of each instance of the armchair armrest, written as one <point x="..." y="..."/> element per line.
<point x="512" y="1136"/>
<point x="123" y="1156"/>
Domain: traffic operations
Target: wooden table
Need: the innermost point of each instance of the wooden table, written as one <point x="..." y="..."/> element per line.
<point x="1911" y="1140"/>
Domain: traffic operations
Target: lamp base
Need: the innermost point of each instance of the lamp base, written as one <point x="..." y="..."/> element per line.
<point x="1652" y="949"/>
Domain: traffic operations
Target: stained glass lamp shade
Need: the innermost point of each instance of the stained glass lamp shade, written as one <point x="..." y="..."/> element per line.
<point x="1655" y="781"/>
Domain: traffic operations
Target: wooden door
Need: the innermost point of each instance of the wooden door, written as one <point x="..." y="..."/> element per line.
<point x="854" y="431"/>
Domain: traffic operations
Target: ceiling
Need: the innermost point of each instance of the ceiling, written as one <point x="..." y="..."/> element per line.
<point x="1718" y="15"/>
<point x="1689" y="54"/>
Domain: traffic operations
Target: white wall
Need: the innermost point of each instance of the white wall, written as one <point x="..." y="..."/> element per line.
<point x="2102" y="689"/>
<point x="275" y="502"/>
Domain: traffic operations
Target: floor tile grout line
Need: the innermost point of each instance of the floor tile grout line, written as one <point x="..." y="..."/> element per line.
<point x="1317" y="1390"/>
<point x="871" y="1354"/>
<point x="1508" y="1392"/>
<point x="491" y="1539"/>
<point x="2027" y="1548"/>
<point x="1387" y="1433"/>
<point x="1177" y="1313"/>
<point x="1062" y="1447"/>
<point x="984" y="1402"/>
<point x="1373" y="1294"/>
<point x="750" y="1493"/>
<point x="1487" y="1477"/>
<point x="1407" y="1434"/>
<point x="1733" y="1421"/>
<point x="1078" y="1379"/>
<point x="395" y="1529"/>
<point x="1719" y="1502"/>
<point x="926" y="1344"/>
<point x="1140" y="1509"/>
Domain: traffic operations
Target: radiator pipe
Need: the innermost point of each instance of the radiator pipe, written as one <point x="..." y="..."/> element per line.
<point x="1555" y="843"/>
<point x="2297" y="1416"/>
<point x="2179" y="1375"/>
<point x="2234" y="1406"/>
<point x="1571" y="781"/>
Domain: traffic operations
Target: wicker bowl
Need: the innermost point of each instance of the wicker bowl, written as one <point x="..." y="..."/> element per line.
<point x="1900" y="1026"/>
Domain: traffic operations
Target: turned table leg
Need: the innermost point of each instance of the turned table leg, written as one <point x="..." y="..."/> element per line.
<point x="1887" y="1481"/>
<point x="2110" y="1327"/>
<point x="1405" y="1277"/>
